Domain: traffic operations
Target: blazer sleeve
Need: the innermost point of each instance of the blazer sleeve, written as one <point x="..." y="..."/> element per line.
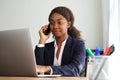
<point x="39" y="55"/>
<point x="76" y="64"/>
<point x="45" y="55"/>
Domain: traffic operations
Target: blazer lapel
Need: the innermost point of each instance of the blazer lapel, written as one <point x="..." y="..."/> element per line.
<point x="66" y="50"/>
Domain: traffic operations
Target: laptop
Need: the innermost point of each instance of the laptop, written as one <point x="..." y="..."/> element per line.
<point x="17" y="55"/>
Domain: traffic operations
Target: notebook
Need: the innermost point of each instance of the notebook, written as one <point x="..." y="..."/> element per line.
<point x="17" y="55"/>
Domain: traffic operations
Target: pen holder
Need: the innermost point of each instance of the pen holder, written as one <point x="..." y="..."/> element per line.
<point x="100" y="68"/>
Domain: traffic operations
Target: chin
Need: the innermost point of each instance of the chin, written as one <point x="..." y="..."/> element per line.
<point x="57" y="35"/>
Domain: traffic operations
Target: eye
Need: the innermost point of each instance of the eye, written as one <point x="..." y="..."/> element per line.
<point x="60" y="22"/>
<point x="51" y="23"/>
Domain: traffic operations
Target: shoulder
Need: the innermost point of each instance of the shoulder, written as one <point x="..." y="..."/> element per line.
<point x="75" y="41"/>
<point x="79" y="44"/>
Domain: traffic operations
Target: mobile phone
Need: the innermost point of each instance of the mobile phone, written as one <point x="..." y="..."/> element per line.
<point x="46" y="32"/>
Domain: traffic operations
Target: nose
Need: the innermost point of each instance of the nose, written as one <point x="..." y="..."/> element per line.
<point x="55" y="25"/>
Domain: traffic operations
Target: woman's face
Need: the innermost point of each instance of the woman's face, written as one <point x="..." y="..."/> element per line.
<point x="59" y="25"/>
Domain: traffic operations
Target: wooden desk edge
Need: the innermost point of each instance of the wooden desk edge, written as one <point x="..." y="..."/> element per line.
<point x="38" y="78"/>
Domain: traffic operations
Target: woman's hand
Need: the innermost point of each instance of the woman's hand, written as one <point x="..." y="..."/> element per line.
<point x="43" y="37"/>
<point x="43" y="69"/>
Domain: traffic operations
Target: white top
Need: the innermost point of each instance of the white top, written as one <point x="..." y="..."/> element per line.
<point x="57" y="62"/>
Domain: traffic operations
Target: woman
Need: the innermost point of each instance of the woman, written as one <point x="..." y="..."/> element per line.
<point x="66" y="54"/>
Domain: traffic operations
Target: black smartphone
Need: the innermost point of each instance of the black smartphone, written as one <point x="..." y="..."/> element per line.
<point x="46" y="32"/>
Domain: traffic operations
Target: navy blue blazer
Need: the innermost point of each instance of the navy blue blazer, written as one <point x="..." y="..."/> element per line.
<point x="73" y="57"/>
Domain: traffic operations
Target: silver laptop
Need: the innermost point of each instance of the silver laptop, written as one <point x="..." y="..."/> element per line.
<point x="16" y="54"/>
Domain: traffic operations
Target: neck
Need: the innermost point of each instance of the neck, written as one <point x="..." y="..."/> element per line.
<point x="59" y="40"/>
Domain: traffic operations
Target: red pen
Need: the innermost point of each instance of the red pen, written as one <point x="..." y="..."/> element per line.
<point x="106" y="51"/>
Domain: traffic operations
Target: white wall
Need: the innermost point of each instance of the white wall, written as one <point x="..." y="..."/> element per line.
<point x="119" y="20"/>
<point x="34" y="14"/>
<point x="105" y="13"/>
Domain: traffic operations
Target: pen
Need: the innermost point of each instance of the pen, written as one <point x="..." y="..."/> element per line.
<point x="88" y="50"/>
<point x="97" y="51"/>
<point x="112" y="49"/>
<point x="106" y="51"/>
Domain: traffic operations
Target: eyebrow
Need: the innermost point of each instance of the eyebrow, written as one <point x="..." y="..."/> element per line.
<point x="60" y="19"/>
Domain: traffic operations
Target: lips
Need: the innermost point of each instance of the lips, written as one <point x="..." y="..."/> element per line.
<point x="56" y="31"/>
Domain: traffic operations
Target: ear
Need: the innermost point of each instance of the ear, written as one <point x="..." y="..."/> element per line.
<point x="69" y="24"/>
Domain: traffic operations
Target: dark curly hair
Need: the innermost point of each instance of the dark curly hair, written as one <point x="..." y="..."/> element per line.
<point x="67" y="13"/>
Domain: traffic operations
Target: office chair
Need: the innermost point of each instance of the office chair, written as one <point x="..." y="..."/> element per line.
<point x="83" y="72"/>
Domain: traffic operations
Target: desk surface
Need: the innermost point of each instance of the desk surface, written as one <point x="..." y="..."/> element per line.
<point x="37" y="78"/>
